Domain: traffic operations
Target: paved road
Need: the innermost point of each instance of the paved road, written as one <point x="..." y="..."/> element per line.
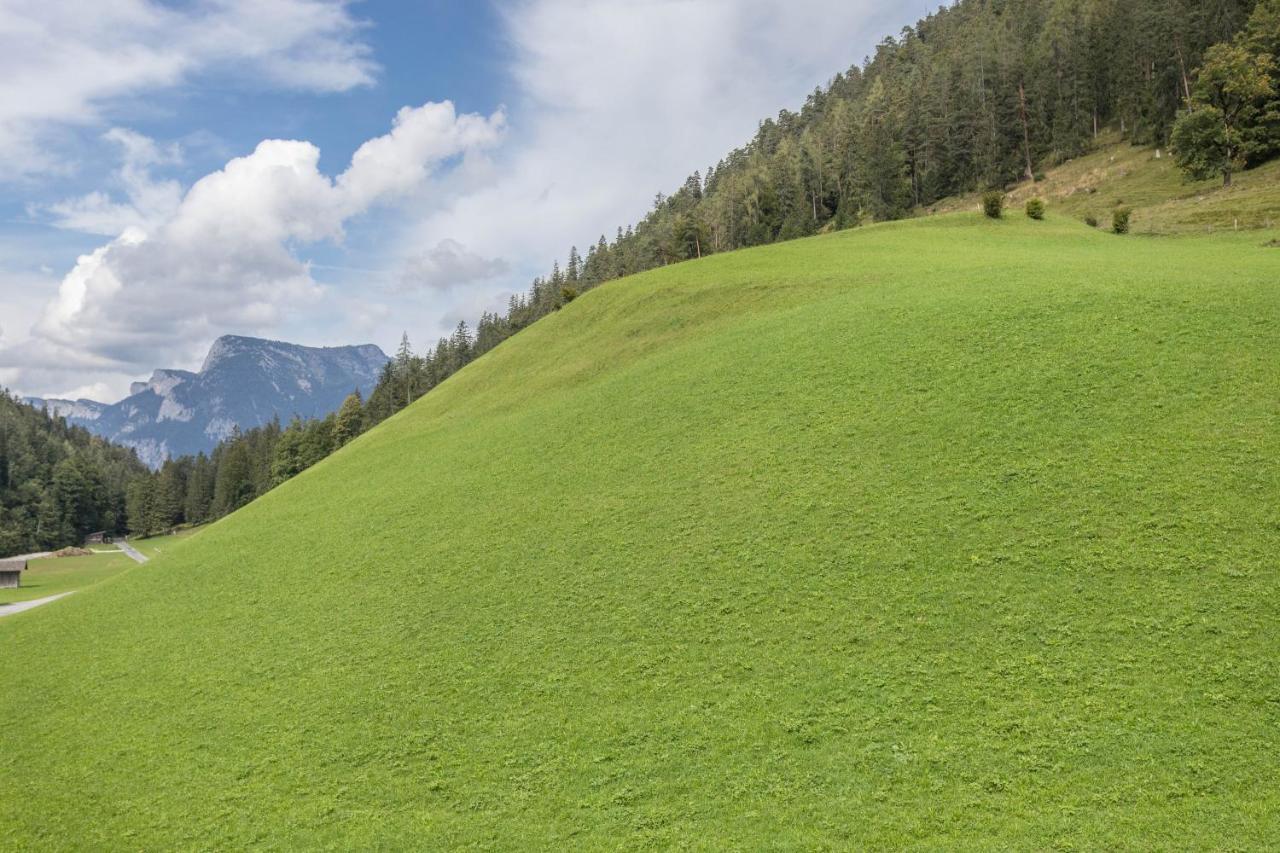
<point x="10" y="609"/>
<point x="129" y="550"/>
<point x="29" y="557"/>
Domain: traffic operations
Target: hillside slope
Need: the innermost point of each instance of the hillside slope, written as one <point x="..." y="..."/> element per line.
<point x="948" y="532"/>
<point x="1145" y="179"/>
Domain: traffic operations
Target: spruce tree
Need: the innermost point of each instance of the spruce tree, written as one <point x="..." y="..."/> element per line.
<point x="350" y="420"/>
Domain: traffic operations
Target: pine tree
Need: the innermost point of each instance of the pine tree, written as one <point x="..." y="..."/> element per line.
<point x="233" y="487"/>
<point x="140" y="496"/>
<point x="287" y="462"/>
<point x="575" y="267"/>
<point x="404" y="368"/>
<point x="350" y="420"/>
<point x="199" y="498"/>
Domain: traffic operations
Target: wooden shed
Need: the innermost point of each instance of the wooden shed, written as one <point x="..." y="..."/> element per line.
<point x="96" y="538"/>
<point x="11" y="573"/>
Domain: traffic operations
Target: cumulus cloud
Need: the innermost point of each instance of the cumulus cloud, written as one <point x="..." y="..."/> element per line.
<point x="420" y="137"/>
<point x="447" y="265"/>
<point x="64" y="63"/>
<point x="149" y="201"/>
<point x="226" y="257"/>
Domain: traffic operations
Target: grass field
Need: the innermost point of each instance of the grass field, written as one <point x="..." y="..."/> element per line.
<point x="950" y="533"/>
<point x="154" y="546"/>
<point x="1147" y="181"/>
<point x="53" y="575"/>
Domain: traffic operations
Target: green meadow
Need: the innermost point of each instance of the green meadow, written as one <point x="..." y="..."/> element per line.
<point x="949" y="533"/>
<point x="154" y="546"/>
<point x="55" y="575"/>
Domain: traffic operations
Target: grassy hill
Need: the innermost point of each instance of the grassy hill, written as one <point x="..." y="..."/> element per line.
<point x="1147" y="180"/>
<point x="945" y="533"/>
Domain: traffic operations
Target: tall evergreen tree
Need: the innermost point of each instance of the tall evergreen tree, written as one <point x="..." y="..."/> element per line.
<point x="350" y="420"/>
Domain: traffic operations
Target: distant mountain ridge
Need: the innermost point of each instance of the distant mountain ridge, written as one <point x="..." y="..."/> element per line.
<point x="244" y="382"/>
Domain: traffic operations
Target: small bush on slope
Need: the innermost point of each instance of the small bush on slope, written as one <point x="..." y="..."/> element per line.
<point x="993" y="204"/>
<point x="1120" y="220"/>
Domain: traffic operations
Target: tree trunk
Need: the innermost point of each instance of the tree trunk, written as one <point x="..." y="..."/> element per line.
<point x="1026" y="131"/>
<point x="1182" y="62"/>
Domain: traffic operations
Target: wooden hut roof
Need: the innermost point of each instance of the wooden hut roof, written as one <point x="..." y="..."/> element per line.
<point x="13" y="565"/>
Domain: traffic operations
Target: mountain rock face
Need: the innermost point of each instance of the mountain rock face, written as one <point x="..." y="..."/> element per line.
<point x="78" y="411"/>
<point x="244" y="382"/>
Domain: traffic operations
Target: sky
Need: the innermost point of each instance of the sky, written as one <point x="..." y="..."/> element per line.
<point x="333" y="173"/>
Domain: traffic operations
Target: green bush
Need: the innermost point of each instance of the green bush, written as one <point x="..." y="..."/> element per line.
<point x="568" y="294"/>
<point x="1120" y="220"/>
<point x="1035" y="209"/>
<point x="993" y="204"/>
<point x="1091" y="221"/>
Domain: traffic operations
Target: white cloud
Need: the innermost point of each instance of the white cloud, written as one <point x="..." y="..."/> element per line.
<point x="149" y="203"/>
<point x="64" y="63"/>
<point x="398" y="162"/>
<point x="226" y="256"/>
<point x="447" y="265"/>
<point x="97" y="391"/>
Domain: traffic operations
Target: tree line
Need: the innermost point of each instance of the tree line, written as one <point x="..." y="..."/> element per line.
<point x="58" y="483"/>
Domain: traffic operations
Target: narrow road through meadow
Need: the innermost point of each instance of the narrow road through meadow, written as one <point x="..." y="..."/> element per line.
<point x="131" y="552"/>
<point x="10" y="609"/>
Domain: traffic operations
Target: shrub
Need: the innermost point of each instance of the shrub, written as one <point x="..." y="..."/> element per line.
<point x="1091" y="221"/>
<point x="568" y="294"/>
<point x="1035" y="209"/>
<point x="993" y="204"/>
<point x="1120" y="220"/>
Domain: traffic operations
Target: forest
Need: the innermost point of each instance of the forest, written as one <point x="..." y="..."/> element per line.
<point x="976" y="96"/>
<point x="58" y="483"/>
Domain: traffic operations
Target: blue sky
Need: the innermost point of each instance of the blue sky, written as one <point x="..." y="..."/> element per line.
<point x="170" y="172"/>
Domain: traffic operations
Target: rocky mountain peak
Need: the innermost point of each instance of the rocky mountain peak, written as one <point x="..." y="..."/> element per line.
<point x="244" y="382"/>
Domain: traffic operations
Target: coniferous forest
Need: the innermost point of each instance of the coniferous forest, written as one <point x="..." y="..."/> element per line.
<point x="58" y="483"/>
<point x="979" y="95"/>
